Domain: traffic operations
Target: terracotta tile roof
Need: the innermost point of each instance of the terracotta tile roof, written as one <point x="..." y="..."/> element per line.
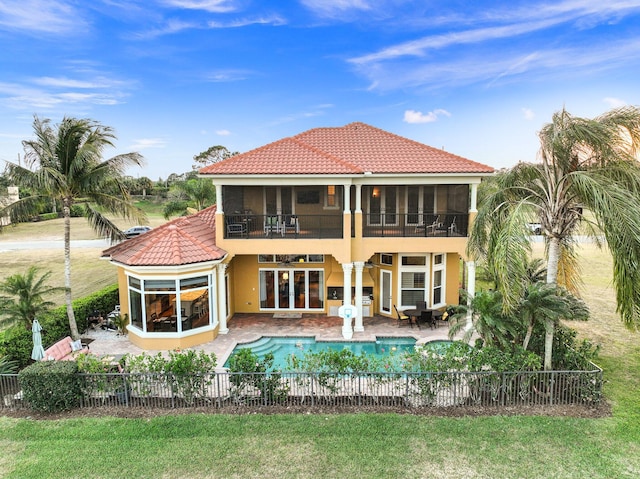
<point x="352" y="149"/>
<point x="186" y="240"/>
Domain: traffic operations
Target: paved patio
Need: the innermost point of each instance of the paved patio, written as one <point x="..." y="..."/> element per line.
<point x="244" y="328"/>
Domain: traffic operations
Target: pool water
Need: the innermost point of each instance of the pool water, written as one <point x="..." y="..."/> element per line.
<point x="283" y="347"/>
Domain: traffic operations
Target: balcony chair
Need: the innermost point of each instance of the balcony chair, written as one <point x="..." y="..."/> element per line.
<point x="290" y="225"/>
<point x="429" y="228"/>
<point x="236" y="228"/>
<point x="271" y="225"/>
<point x="453" y="228"/>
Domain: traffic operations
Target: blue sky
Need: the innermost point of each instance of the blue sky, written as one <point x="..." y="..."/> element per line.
<point x="174" y="77"/>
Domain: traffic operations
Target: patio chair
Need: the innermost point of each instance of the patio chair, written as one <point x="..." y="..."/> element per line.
<point x="290" y="225"/>
<point x="429" y="228"/>
<point x="271" y="225"/>
<point x="453" y="228"/>
<point x="421" y="305"/>
<point x="426" y="317"/>
<point x="401" y="316"/>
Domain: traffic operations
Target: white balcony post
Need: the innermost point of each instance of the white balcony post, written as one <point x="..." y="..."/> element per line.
<point x="359" y="266"/>
<point x="222" y="298"/>
<point x="473" y="207"/>
<point x="347" y="268"/>
<point x="471" y="289"/>
<point x="346" y="207"/>
<point x="218" y="188"/>
<point x="358" y="198"/>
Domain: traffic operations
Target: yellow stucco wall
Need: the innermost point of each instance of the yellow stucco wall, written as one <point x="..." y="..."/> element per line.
<point x="165" y="344"/>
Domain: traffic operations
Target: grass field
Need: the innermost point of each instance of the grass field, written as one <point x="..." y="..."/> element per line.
<point x="88" y="272"/>
<point x="198" y="446"/>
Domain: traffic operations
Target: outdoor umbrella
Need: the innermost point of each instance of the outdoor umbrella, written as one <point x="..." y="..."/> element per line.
<point x="38" y="351"/>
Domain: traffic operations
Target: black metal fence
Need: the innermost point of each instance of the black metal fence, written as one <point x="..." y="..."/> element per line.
<point x="410" y="390"/>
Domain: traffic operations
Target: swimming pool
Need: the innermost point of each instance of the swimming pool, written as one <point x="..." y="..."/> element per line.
<point x="283" y="347"/>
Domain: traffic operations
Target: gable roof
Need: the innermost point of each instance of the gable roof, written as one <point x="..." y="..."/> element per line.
<point x="355" y="148"/>
<point x="186" y="240"/>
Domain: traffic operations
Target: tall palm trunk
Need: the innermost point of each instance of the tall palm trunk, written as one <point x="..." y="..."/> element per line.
<point x="527" y="338"/>
<point x="552" y="278"/>
<point x="66" y="213"/>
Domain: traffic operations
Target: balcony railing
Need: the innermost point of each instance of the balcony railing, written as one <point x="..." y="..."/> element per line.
<point x="250" y="226"/>
<point x="415" y="225"/>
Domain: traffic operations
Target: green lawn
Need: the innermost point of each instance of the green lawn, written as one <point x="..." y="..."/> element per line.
<point x="291" y="446"/>
<point x="356" y="445"/>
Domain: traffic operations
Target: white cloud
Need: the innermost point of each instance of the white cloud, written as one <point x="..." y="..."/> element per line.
<point x="223" y="132"/>
<point x="213" y="6"/>
<point x="615" y="102"/>
<point x="419" y="48"/>
<point x="528" y="114"/>
<point x="146" y="143"/>
<point x="492" y="66"/>
<point x="221" y="76"/>
<point x="412" y="116"/>
<point x="336" y="8"/>
<point x="275" y="20"/>
<point x="41" y="16"/>
<point x="483" y="46"/>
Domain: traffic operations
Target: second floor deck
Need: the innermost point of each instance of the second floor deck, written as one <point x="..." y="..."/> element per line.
<point x="320" y="226"/>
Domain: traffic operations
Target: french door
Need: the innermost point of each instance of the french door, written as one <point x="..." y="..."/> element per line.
<point x="385" y="292"/>
<point x="383" y="205"/>
<point x="292" y="289"/>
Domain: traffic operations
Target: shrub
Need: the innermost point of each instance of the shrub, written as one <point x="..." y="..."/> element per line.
<point x="47" y="216"/>
<point x="569" y="353"/>
<point x="188" y="373"/>
<point x="51" y="386"/>
<point x="249" y="374"/>
<point x="498" y="360"/>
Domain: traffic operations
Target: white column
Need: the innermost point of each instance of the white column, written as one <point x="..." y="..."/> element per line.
<point x="222" y="298"/>
<point x="359" y="266"/>
<point x="473" y="208"/>
<point x="218" y="188"/>
<point x="346" y="207"/>
<point x="346" y="269"/>
<point x="471" y="288"/>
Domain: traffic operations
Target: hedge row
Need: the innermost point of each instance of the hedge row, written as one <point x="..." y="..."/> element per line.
<point x="17" y="343"/>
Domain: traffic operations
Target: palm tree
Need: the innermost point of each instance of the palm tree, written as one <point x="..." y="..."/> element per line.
<point x="190" y="196"/>
<point x="23" y="297"/>
<point x="548" y="303"/>
<point x="585" y="164"/>
<point x="65" y="163"/>
<point x="488" y="319"/>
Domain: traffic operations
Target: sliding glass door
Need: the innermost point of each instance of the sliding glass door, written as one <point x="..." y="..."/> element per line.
<point x="292" y="289"/>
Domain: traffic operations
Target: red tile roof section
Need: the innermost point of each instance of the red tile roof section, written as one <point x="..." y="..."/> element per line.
<point x="352" y="149"/>
<point x="186" y="240"/>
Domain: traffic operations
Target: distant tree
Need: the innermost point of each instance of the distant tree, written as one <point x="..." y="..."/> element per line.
<point x="212" y="155"/>
<point x="145" y="184"/>
<point x="65" y="163"/>
<point x="189" y="197"/>
<point x="22" y="297"/>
